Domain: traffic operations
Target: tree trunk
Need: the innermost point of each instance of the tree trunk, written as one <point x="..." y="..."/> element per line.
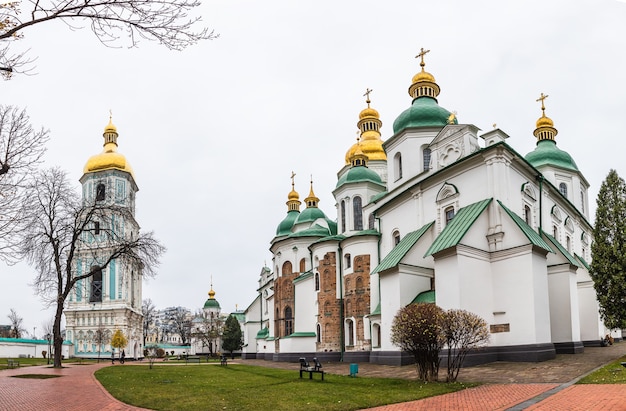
<point x="56" y="331"/>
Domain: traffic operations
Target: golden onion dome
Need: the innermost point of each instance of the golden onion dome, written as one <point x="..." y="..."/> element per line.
<point x="545" y="126"/>
<point x="293" y="198"/>
<point x="211" y="293"/>
<point x="368" y="113"/>
<point x="109" y="158"/>
<point x="423" y="76"/>
<point x="369" y="134"/>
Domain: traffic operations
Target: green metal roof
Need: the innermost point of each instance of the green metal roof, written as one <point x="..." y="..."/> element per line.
<point x="313" y="231"/>
<point x="303" y="277"/>
<point x="211" y="303"/>
<point x="360" y="174"/>
<point x="376" y="310"/>
<point x="547" y="153"/>
<point x="424" y="112"/>
<point x="453" y="233"/>
<point x="263" y="333"/>
<point x="563" y="251"/>
<point x="425" y="297"/>
<point x="582" y="260"/>
<point x="531" y="234"/>
<point x="378" y="196"/>
<point x="399" y="251"/>
<point x="301" y="334"/>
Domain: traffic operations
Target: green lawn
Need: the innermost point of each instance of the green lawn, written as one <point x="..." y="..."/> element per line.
<point x="614" y="373"/>
<point x="25" y="362"/>
<point x="244" y="387"/>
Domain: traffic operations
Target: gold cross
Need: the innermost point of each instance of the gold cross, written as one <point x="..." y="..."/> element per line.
<point x="421" y="55"/>
<point x="367" y="96"/>
<point x="293" y="184"/>
<point x="542" y="98"/>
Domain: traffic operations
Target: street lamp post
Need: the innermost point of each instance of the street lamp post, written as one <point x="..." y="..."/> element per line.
<point x="49" y="337"/>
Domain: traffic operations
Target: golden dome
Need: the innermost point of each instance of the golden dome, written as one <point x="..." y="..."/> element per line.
<point x="368" y="112"/>
<point x="293" y="198"/>
<point x="423" y="76"/>
<point x="212" y="293"/>
<point x="423" y="83"/>
<point x="544" y="121"/>
<point x="109" y="158"/>
<point x="545" y="126"/>
<point x="369" y="134"/>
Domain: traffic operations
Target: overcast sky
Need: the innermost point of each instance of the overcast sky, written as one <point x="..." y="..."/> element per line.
<point x="214" y="132"/>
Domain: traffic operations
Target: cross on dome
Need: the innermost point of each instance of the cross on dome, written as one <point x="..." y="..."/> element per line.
<point x="367" y="96"/>
<point x="421" y="56"/>
<point x="542" y="99"/>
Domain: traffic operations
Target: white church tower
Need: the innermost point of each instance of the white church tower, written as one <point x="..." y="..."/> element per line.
<point x="111" y="299"/>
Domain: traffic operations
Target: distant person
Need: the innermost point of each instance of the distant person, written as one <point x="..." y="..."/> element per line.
<point x="123" y="357"/>
<point x="112" y="357"/>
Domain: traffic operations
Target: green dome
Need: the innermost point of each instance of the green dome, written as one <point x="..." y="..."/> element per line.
<point x="310" y="214"/>
<point x="211" y="303"/>
<point x="284" y="228"/>
<point x="314" y="231"/>
<point x="424" y="112"/>
<point x="358" y="175"/>
<point x="548" y="154"/>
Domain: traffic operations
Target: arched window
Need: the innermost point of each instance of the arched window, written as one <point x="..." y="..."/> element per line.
<point x="359" y="283"/>
<point x="371" y="221"/>
<point x="343" y="216"/>
<point x="358" y="213"/>
<point x="360" y="306"/>
<point x="527" y="216"/>
<point x="96" y="286"/>
<point x="100" y="192"/>
<point x="317" y="281"/>
<point x="426" y="159"/>
<point x="348" y="258"/>
<point x="287" y="268"/>
<point x="397" y="166"/>
<point x="563" y="189"/>
<point x="302" y="265"/>
<point x="568" y="244"/>
<point x="350" y="332"/>
<point x="396" y="237"/>
<point x="319" y="333"/>
<point x="555" y="232"/>
<point x="449" y="213"/>
<point x="288" y="321"/>
<point x="376" y="335"/>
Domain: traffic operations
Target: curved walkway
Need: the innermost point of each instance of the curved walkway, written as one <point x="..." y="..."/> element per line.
<point x="545" y="386"/>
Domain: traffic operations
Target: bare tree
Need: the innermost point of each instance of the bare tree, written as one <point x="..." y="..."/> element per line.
<point x="208" y="331"/>
<point x="21" y="149"/>
<point x="17" y="324"/>
<point x="148" y="310"/>
<point x="167" y="22"/>
<point x="102" y="336"/>
<point x="180" y="323"/>
<point x="61" y="227"/>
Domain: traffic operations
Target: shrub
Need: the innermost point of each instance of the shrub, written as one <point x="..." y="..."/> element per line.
<point x="160" y="352"/>
<point x="462" y="331"/>
<point x="416" y="329"/>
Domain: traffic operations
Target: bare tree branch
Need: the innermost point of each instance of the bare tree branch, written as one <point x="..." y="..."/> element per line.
<point x="167" y="22"/>
<point x="21" y="149"/>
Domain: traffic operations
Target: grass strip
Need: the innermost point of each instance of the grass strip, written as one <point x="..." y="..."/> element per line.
<point x="245" y="387"/>
<point x="613" y="373"/>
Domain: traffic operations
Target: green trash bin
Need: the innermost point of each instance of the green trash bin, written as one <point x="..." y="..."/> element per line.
<point x="354" y="369"/>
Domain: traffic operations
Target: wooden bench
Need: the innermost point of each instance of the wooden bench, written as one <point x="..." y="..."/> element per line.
<point x="12" y="364"/>
<point x="305" y="367"/>
<point x="193" y="359"/>
<point x="223" y="360"/>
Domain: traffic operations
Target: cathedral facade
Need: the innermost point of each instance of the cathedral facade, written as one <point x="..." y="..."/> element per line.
<point x="111" y="299"/>
<point x="436" y="213"/>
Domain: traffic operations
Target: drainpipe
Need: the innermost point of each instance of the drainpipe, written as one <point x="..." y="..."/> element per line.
<point x="341" y="333"/>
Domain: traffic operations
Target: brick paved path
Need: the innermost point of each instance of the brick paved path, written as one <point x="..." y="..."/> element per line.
<point x="76" y="389"/>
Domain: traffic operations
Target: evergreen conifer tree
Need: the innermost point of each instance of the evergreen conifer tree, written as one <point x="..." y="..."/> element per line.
<point x="232" y="338"/>
<point x="608" y="266"/>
